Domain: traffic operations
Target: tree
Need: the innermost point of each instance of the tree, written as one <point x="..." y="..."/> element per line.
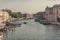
<point x="16" y="14"/>
<point x="13" y="14"/>
<point x="7" y="10"/>
<point x="19" y="15"/>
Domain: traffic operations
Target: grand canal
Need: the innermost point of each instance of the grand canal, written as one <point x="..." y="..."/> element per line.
<point x="33" y="31"/>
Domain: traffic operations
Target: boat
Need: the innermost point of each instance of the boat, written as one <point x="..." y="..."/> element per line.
<point x="44" y="22"/>
<point x="25" y="23"/>
<point x="36" y="20"/>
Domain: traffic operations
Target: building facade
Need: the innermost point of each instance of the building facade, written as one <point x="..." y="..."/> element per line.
<point x="39" y="16"/>
<point x="52" y="13"/>
<point x="4" y="16"/>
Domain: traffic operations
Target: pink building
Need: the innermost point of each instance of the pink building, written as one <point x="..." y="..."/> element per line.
<point x="52" y="13"/>
<point x="49" y="15"/>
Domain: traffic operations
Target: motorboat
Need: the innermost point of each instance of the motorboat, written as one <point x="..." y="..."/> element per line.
<point x="25" y="23"/>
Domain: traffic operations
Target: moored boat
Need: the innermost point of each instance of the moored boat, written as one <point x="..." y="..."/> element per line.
<point x="25" y="23"/>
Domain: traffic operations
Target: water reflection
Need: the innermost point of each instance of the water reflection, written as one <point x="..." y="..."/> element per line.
<point x="52" y="33"/>
<point x="1" y="35"/>
<point x="32" y="31"/>
<point x="4" y="34"/>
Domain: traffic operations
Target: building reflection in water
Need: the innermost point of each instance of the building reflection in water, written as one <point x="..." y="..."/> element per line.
<point x="1" y="35"/>
<point x="4" y="34"/>
<point x="52" y="33"/>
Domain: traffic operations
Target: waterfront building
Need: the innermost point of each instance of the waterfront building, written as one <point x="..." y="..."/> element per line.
<point x="34" y="15"/>
<point x="4" y="16"/>
<point x="27" y="16"/>
<point x="52" y="13"/>
<point x="24" y="15"/>
<point x="39" y="16"/>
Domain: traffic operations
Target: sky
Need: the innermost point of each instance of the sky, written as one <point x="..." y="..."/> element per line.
<point x="27" y="6"/>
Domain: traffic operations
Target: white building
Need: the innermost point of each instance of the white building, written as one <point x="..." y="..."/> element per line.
<point x="4" y="16"/>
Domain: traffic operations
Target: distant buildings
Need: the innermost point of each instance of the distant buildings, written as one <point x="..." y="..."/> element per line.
<point x="50" y="15"/>
<point x="39" y="16"/>
<point x="27" y="16"/>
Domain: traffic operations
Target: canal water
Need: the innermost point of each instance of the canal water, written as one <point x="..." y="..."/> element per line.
<point x="33" y="31"/>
